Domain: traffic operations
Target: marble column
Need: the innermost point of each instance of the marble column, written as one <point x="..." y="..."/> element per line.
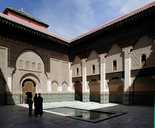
<point x="9" y="90"/>
<point x="127" y="74"/>
<point x="85" y="90"/>
<point x="49" y="82"/>
<point x="104" y="91"/>
<point x="71" y="88"/>
<point x="9" y="80"/>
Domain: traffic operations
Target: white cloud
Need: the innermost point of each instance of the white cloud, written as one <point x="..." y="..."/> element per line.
<point x="130" y="5"/>
<point x="67" y="18"/>
<point x="71" y="18"/>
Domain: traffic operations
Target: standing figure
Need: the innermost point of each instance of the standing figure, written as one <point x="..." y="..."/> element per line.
<point x="29" y="102"/>
<point x="35" y="105"/>
<point x="40" y="104"/>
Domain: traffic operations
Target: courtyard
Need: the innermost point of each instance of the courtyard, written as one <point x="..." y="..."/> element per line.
<point x="101" y="79"/>
<point x="134" y="117"/>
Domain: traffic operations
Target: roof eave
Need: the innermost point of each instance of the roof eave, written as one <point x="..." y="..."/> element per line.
<point x="115" y="21"/>
<point x="60" y="41"/>
<point x="14" y="11"/>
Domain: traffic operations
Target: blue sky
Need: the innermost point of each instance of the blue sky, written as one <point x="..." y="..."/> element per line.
<point x="71" y="18"/>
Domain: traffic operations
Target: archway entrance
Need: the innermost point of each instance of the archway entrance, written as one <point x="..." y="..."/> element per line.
<point x="116" y="90"/>
<point x="28" y="88"/>
<point x="94" y="91"/>
<point x="78" y="90"/>
<point x="143" y="90"/>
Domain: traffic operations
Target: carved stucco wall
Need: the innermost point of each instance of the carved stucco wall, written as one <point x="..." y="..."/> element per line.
<point x="76" y="66"/>
<point x="29" y="65"/>
<point x="3" y="69"/>
<point x="4" y="60"/>
<point x="144" y="45"/>
<point x="59" y="76"/>
<point x="93" y="60"/>
<point x="115" y="54"/>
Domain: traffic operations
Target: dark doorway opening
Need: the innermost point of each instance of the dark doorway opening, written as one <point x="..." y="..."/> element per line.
<point x="143" y="90"/>
<point x="94" y="91"/>
<point x="28" y="88"/>
<point x="116" y="87"/>
<point x="78" y="90"/>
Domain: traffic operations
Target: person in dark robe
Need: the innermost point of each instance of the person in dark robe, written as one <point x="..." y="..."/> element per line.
<point x="35" y="105"/>
<point x="29" y="102"/>
<point x="40" y="104"/>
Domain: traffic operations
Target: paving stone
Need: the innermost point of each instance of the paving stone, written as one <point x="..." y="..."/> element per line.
<point x="17" y="117"/>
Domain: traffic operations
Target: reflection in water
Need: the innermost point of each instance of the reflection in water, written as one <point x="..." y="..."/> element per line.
<point x="82" y="114"/>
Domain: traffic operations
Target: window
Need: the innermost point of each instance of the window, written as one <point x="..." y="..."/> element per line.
<point x="114" y="65"/>
<point x="93" y="69"/>
<point x="143" y="59"/>
<point x="77" y="71"/>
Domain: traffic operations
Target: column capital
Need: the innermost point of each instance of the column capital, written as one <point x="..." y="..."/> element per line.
<point x="70" y="63"/>
<point x="127" y="49"/>
<point x="83" y="61"/>
<point x="103" y="55"/>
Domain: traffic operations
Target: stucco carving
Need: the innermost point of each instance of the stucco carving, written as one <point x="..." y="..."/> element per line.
<point x="30" y="61"/>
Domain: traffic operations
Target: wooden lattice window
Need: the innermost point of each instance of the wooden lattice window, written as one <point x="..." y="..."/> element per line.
<point x="114" y="65"/>
<point x="143" y="59"/>
<point x="77" y="71"/>
<point x="93" y="69"/>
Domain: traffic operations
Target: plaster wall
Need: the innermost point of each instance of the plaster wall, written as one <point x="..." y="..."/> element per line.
<point x="89" y="67"/>
<point x="144" y="46"/>
<point x="3" y="61"/>
<point x="59" y="76"/>
<point x="109" y="63"/>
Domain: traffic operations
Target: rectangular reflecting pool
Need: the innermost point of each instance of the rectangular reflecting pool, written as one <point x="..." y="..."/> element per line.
<point x="93" y="116"/>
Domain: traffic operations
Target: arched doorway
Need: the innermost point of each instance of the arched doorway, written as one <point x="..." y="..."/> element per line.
<point x="116" y="86"/>
<point x="94" y="91"/>
<point x="28" y="88"/>
<point x="143" y="90"/>
<point x="78" y="90"/>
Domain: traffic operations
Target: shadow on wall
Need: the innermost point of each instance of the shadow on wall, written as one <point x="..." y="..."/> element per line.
<point x="5" y="94"/>
<point x="142" y="91"/>
<point x="116" y="90"/>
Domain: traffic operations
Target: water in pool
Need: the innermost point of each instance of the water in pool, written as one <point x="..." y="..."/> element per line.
<point x="86" y="115"/>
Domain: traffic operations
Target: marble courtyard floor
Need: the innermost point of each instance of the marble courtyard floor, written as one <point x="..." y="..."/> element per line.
<point x="135" y="117"/>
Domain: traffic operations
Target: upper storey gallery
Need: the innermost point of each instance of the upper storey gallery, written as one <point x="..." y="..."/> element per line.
<point x="119" y="31"/>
